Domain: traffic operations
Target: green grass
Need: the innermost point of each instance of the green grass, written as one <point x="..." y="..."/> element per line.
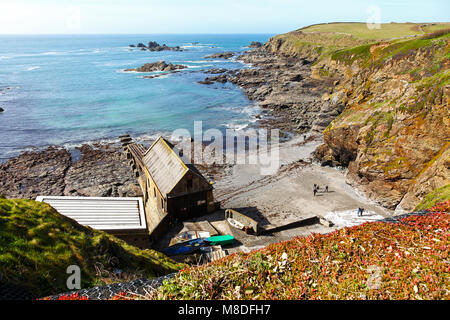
<point x="350" y="55"/>
<point x="37" y="244"/>
<point x="435" y="27"/>
<point x="365" y="57"/>
<point x="386" y="31"/>
<point x="352" y="41"/>
<point x="438" y="195"/>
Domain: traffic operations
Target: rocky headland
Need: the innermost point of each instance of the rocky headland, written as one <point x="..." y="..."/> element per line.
<point x="283" y="87"/>
<point x="383" y="108"/>
<point x="391" y="127"/>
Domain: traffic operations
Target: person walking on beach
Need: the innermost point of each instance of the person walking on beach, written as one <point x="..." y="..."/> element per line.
<point x="315" y="191"/>
<point x="326" y="189"/>
<point x="360" y="212"/>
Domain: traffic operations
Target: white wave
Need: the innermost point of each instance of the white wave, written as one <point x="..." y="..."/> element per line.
<point x="191" y="46"/>
<point x="51" y="53"/>
<point x="164" y="76"/>
<point x="236" y="126"/>
<point x="251" y="110"/>
<point x="200" y="66"/>
<point x="200" y="61"/>
<point x="123" y="71"/>
<point x="116" y="64"/>
<point x="48" y="53"/>
<point x="197" y="45"/>
<point x="33" y="68"/>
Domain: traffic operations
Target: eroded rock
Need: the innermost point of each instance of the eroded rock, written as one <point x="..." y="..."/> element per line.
<point x="157" y="66"/>
<point x="101" y="170"/>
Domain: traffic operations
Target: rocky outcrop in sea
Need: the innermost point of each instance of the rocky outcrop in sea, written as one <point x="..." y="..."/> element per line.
<point x="255" y="45"/>
<point x="157" y="66"/>
<point x="221" y="55"/>
<point x="154" y="46"/>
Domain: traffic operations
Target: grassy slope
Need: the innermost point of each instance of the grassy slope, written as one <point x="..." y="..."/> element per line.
<point x="323" y="40"/>
<point x="37" y="244"/>
<point x="371" y="261"/>
<point x="434" y="197"/>
<point x="364" y="56"/>
<point x="386" y="31"/>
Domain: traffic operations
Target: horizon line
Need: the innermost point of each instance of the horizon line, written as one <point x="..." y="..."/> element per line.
<point x="214" y="33"/>
<point x="105" y="34"/>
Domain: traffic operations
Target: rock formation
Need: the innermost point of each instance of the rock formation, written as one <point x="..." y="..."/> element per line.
<point x="210" y="80"/>
<point x="283" y="88"/>
<point x="255" y="44"/>
<point x="100" y="170"/>
<point x="154" y="46"/>
<point x="393" y="133"/>
<point x="383" y="107"/>
<point x="157" y="66"/>
<point x="216" y="71"/>
<point x="221" y="55"/>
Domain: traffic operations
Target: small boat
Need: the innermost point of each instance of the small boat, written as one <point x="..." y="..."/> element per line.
<point x="220" y="240"/>
<point x="235" y="223"/>
<point x="186" y="247"/>
<point x="211" y="249"/>
<point x="241" y="221"/>
<point x="189" y="235"/>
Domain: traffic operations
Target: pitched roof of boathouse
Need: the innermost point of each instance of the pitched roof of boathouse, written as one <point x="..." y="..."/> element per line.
<point x="164" y="164"/>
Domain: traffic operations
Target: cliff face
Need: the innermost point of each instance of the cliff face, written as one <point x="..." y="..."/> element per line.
<point x="393" y="132"/>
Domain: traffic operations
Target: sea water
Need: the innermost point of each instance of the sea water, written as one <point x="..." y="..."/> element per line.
<point x="71" y="89"/>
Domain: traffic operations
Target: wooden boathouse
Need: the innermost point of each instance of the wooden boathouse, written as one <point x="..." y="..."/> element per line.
<point x="173" y="190"/>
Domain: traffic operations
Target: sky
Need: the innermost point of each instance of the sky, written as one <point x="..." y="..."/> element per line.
<point x="203" y="16"/>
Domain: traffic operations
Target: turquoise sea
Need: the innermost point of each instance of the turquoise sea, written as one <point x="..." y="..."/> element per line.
<point x="67" y="90"/>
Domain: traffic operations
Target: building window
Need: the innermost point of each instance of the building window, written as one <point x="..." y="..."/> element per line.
<point x="162" y="203"/>
<point x="154" y="192"/>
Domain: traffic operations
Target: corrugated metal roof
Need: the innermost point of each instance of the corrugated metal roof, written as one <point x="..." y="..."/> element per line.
<point x="164" y="165"/>
<point x="101" y="213"/>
